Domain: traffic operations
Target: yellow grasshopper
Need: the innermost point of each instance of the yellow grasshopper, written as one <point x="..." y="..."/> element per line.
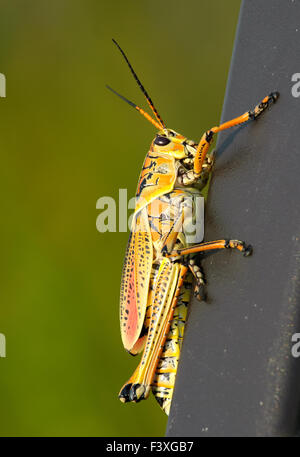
<point x="160" y="263"/>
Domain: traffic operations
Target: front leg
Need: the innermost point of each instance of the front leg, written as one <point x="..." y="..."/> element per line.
<point x="207" y="137"/>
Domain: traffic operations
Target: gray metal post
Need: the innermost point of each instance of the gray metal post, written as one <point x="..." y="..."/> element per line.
<point x="236" y="375"/>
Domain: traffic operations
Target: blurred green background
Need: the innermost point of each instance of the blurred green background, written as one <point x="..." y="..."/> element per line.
<point x="65" y="141"/>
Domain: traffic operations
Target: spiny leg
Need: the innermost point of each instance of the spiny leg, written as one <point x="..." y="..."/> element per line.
<point x="164" y="379"/>
<point x="212" y="246"/>
<point x="207" y="137"/>
<point x="153" y="362"/>
<point x="139" y="385"/>
<point x="199" y="277"/>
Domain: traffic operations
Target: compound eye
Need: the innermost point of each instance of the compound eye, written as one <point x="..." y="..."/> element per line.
<point x="161" y="141"/>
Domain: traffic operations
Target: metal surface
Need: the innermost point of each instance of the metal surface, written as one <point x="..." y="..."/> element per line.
<point x="237" y="376"/>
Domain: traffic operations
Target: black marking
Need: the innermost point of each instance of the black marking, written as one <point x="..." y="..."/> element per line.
<point x="209" y="136"/>
<point x="161" y="140"/>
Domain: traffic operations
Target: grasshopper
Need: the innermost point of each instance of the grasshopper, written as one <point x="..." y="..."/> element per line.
<point x="160" y="264"/>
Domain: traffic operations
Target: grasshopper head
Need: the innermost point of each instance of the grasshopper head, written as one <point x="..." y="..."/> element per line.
<point x="169" y="142"/>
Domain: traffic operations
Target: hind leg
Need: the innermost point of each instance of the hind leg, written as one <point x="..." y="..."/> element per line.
<point x="164" y="304"/>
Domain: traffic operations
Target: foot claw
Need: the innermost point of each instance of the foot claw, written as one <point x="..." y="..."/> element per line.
<point x="133" y="392"/>
<point x="248" y="250"/>
<point x="125" y="393"/>
<point x="200" y="294"/>
<point x="274" y="96"/>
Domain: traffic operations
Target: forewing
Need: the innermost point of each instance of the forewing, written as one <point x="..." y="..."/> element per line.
<point x="135" y="282"/>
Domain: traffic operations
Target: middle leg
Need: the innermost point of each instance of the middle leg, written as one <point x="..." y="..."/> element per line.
<point x="213" y="246"/>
